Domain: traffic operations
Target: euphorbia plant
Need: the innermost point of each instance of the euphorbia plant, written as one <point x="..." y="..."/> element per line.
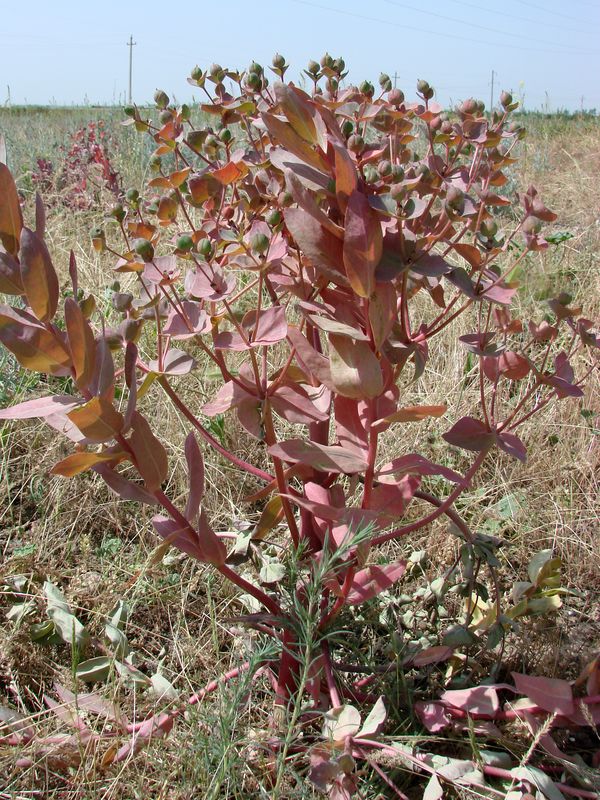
<point x="310" y="245"/>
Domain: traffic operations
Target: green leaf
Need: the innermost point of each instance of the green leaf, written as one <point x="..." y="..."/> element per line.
<point x="94" y="669"/>
<point x="459" y="636"/>
<point x="272" y="572"/>
<point x="162" y="688"/>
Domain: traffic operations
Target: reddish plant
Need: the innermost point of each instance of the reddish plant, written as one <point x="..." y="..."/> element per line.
<point x="87" y="166"/>
<point x="308" y="252"/>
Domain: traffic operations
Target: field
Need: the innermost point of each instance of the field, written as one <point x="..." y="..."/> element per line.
<point x="182" y="623"/>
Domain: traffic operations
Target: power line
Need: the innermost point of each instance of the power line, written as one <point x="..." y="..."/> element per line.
<point x="512" y="16"/>
<point x="549" y="11"/>
<point x="469" y="24"/>
<point x="421" y="30"/>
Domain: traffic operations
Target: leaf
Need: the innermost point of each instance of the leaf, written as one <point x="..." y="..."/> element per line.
<point x="363" y="244"/>
<point x="320" y="247"/>
<point x="125" y="488"/>
<point x="337" y="327"/>
<point x="202" y="544"/>
<point x="513" y="366"/>
<point x="80" y="462"/>
<point x="431" y="655"/>
<point x="162" y="688"/>
<point x="369" y="582"/>
<point x="355" y="369"/>
<point x="346" y="178"/>
<point x="316" y="364"/>
<point x="512" y="445"/>
<point x="341" y="722"/>
<point x="306" y="200"/>
<point x="293" y="403"/>
<point x="470" y="434"/>
<point x="268" y="326"/>
<point x="409" y="414"/>
<point x="81" y="343"/>
<point x="150" y="455"/>
<point x="34" y="347"/>
<point x="476" y="700"/>
<point x="272" y="572"/>
<point x="295" y="104"/>
<point x="321" y="457"/>
<point x="98" y="420"/>
<point x="41" y="407"/>
<point x="10" y="275"/>
<point x="415" y="464"/>
<point x="11" y="218"/>
<point x="433" y="790"/>
<point x="117" y="617"/>
<point x="176" y="362"/>
<point x="68" y="627"/>
<point x="551" y="694"/>
<point x="192" y="322"/>
<point x="285" y="135"/>
<point x="94" y="669"/>
<point x="540" y="780"/>
<point x="375" y="720"/>
<point x="40" y="216"/>
<point x="38" y="276"/>
<point x="195" y="465"/>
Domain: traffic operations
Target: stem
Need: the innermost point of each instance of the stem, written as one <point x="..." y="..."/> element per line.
<point x="443" y="507"/>
<point x="238" y="462"/>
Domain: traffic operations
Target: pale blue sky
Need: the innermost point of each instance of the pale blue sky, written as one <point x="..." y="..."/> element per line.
<point x="70" y="52"/>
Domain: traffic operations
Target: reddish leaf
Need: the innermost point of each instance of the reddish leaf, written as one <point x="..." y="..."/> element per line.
<point x="321" y="457"/>
<point x="315" y="364"/>
<point x="513" y="366"/>
<point x="285" y="135"/>
<point x="355" y="369"/>
<point x="41" y="407"/>
<point x="477" y="700"/>
<point x="470" y="434"/>
<point x="176" y="362"/>
<point x="415" y="464"/>
<point x="126" y="489"/>
<point x="433" y="716"/>
<point x="11" y="218"/>
<point x="409" y="414"/>
<point x="431" y="655"/>
<point x="293" y="403"/>
<point x="372" y="581"/>
<point x="34" y="346"/>
<point x="203" y="544"/>
<point x="306" y="200"/>
<point x="299" y="112"/>
<point x="80" y="462"/>
<point x="232" y="171"/>
<point x="346" y="178"/>
<point x="81" y="342"/>
<point x="320" y="247"/>
<point x="150" y="455"/>
<point x="10" y="275"/>
<point x="470" y="253"/>
<point x="268" y="326"/>
<point x="98" y="420"/>
<point x="38" y="276"/>
<point x="551" y="694"/>
<point x="512" y="445"/>
<point x="363" y="244"/>
<point x="192" y="320"/>
<point x="195" y="465"/>
<point x="383" y="312"/>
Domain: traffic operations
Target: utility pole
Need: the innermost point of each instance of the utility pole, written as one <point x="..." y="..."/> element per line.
<point x="130" y="45"/>
<point x="492" y="93"/>
<point x="395" y="79"/>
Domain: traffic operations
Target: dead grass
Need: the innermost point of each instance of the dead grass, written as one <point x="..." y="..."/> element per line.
<point x="99" y="550"/>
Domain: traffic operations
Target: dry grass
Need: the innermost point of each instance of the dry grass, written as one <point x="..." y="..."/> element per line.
<point x="99" y="550"/>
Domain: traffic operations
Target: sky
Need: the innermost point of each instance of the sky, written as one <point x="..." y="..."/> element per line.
<point x="547" y="52"/>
